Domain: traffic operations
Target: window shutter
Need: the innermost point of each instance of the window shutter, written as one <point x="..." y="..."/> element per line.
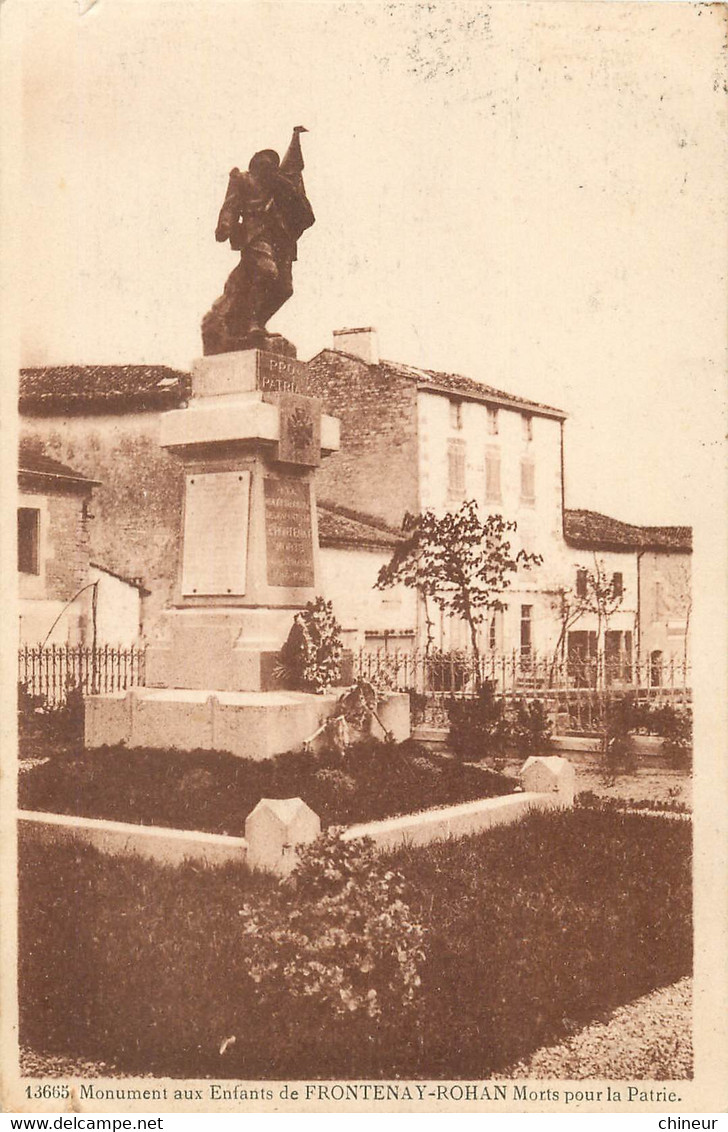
<point x="456" y="468"/>
<point x="492" y="477"/>
<point x="28" y="540"/>
<point x="528" y="481"/>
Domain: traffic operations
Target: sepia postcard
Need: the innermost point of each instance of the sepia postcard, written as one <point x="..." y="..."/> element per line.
<point x="364" y="556"/>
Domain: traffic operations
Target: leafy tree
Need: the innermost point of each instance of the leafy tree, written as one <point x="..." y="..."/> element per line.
<point x="462" y="563"/>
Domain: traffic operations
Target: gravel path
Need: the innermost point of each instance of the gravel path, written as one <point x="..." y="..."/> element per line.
<point x="646" y="783"/>
<point x="650" y="1039"/>
<point x="34" y="1064"/>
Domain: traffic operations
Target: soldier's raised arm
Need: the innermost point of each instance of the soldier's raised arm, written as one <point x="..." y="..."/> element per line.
<point x="228" y="218"/>
<point x="293" y="158"/>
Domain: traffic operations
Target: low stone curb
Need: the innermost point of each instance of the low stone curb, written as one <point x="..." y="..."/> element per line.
<point x="276" y="826"/>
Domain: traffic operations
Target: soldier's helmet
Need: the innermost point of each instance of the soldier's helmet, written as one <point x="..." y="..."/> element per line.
<point x="263" y="157"/>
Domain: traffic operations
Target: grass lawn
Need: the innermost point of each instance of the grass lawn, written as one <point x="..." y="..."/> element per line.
<point x="215" y="791"/>
<point x="531" y="931"/>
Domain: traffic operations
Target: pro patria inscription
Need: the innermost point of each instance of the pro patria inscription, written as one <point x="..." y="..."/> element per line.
<point x="288" y="532"/>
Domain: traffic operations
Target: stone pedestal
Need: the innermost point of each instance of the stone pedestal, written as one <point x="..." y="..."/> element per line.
<point x="250" y="443"/>
<point x="252" y="725"/>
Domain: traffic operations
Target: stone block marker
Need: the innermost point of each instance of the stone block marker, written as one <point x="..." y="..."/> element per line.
<point x="549" y="773"/>
<point x="273" y="830"/>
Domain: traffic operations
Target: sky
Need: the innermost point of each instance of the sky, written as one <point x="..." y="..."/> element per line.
<point x="529" y="194"/>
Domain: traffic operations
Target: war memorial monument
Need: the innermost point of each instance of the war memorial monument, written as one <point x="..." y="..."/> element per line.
<point x="250" y="443"/>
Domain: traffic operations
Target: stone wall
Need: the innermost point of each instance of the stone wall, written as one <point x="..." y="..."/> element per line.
<point x="66" y="568"/>
<point x="665" y="603"/>
<point x="366" y="614"/>
<point x="375" y="470"/>
<point x="136" y="511"/>
<point x="119" y="610"/>
<point x="277" y="825"/>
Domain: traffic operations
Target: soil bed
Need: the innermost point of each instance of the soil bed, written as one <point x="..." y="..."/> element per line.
<point x="215" y="791"/>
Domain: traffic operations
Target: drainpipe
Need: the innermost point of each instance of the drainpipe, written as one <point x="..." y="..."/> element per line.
<point x="638" y="634"/>
<point x="563" y="489"/>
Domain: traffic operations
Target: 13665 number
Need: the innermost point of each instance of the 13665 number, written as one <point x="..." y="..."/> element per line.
<point x="47" y="1092"/>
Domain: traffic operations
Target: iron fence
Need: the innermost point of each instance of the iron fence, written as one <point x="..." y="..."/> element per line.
<point x="576" y="695"/>
<point x="51" y="672"/>
<point x="575" y="691"/>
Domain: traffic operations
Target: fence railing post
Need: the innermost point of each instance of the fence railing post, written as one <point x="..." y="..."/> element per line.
<point x="50" y="672"/>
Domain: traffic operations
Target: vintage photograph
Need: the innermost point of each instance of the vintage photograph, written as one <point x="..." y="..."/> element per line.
<point x="369" y="361"/>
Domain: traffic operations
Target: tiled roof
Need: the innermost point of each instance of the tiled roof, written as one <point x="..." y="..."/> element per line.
<point x="32" y="461"/>
<point x="448" y="383"/>
<point x="340" y="526"/>
<point x="591" y="530"/>
<point x="468" y="387"/>
<point x="101" y="389"/>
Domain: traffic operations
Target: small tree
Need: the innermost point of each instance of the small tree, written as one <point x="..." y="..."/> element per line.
<point x="597" y="598"/>
<point x="463" y="563"/>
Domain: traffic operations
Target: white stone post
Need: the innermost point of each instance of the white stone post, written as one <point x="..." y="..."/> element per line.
<point x="273" y="830"/>
<point x="549" y="774"/>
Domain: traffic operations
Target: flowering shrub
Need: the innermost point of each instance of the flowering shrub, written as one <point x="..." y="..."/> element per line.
<point x="310" y="660"/>
<point x="339" y="934"/>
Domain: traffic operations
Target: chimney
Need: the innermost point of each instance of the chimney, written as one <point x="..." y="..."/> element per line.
<point x="359" y="340"/>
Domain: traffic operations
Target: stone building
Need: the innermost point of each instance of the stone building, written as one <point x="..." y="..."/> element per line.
<point x="105" y="419"/>
<point x="416" y="438"/>
<point x="53" y="549"/>
<point x="651" y="567"/>
<point x="413" y="439"/>
<point x="354" y="547"/>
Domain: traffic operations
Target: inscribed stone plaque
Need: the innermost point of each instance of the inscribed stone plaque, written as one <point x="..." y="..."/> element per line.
<point x="277" y="373"/>
<point x="288" y="532"/>
<point x="300" y="430"/>
<point x="216" y="533"/>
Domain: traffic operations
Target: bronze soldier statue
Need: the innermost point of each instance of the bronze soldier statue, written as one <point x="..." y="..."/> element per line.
<point x="264" y="213"/>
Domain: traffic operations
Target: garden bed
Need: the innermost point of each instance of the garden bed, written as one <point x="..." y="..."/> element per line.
<point x="214" y="791"/>
<point x="529" y="932"/>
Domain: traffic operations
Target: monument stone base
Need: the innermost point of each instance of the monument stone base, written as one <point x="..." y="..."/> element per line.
<point x="231" y="650"/>
<point x="253" y="725"/>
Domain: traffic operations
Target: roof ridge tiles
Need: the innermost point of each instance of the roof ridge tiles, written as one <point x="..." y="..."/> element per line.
<point x="586" y="528"/>
<point x="359" y="517"/>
